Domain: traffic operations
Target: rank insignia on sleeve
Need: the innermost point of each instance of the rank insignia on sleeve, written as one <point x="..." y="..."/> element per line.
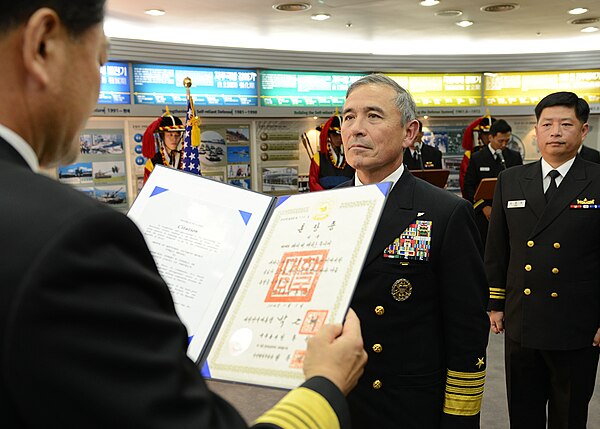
<point x="413" y="244"/>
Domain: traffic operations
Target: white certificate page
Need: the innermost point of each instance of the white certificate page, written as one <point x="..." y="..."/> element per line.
<point x="199" y="232"/>
<point x="301" y="276"/>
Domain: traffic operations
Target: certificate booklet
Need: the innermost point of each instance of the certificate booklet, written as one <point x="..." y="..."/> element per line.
<point x="253" y="276"/>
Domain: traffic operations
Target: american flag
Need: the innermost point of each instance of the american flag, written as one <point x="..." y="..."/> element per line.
<point x="191" y="160"/>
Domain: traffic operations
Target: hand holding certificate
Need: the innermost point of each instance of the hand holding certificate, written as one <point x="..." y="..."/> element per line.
<point x="254" y="276"/>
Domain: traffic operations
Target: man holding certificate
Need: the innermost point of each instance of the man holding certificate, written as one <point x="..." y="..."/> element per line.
<point x="423" y="315"/>
<point x="89" y="337"/>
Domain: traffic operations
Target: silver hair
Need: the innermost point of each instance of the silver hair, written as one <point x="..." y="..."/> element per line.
<point x="404" y="101"/>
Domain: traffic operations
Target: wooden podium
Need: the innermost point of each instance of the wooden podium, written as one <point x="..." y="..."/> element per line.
<point x="485" y="190"/>
<point x="437" y="177"/>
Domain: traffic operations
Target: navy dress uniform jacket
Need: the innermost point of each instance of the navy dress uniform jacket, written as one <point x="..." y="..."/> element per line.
<point x="545" y="274"/>
<point x="426" y="366"/>
<point x="89" y="337"/>
<point x="431" y="156"/>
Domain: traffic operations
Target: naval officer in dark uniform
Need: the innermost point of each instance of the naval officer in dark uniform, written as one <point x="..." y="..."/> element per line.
<point x="421" y="156"/>
<point x="542" y="265"/>
<point x="423" y="316"/>
<point x="488" y="163"/>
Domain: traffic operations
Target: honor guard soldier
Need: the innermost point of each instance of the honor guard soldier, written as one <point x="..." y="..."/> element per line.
<point x="542" y="265"/>
<point x="328" y="167"/>
<point x="424" y="319"/>
<point x="476" y="136"/>
<point x="420" y="156"/>
<point x="162" y="143"/>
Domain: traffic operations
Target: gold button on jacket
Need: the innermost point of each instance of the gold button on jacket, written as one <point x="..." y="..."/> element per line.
<point x="530" y="243"/>
<point x="377" y="384"/>
<point x="528" y="267"/>
<point x="379" y="310"/>
<point x="554" y="270"/>
<point x="527" y="291"/>
<point x="556" y="245"/>
<point x="377" y="348"/>
<point x="554" y="295"/>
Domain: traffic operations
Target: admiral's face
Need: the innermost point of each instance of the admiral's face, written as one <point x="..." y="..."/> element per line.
<point x="559" y="134"/>
<point x="373" y="134"/>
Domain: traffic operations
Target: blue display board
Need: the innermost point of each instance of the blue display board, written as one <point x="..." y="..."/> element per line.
<point x="114" y="84"/>
<point x="163" y="84"/>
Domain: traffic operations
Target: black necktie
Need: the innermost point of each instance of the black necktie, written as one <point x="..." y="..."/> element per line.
<point x="552" y="188"/>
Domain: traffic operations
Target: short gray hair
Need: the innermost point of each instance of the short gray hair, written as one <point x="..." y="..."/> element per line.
<point x="404" y="101"/>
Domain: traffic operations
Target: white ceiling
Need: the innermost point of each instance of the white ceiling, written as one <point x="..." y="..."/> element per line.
<point x="383" y="27"/>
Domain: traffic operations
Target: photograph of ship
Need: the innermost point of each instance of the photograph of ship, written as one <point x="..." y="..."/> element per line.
<point x="95" y="144"/>
<point x="240" y="183"/>
<point x="279" y="179"/>
<point x="212" y="149"/>
<point x="235" y="135"/>
<point x="109" y="171"/>
<point x="80" y="172"/>
<point x="238" y="154"/>
<point x="238" y="170"/>
<point x="113" y="195"/>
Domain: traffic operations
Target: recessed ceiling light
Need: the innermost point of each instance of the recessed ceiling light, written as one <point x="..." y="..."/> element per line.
<point x="320" y="16"/>
<point x="584" y="21"/>
<point x="578" y="11"/>
<point x="589" y="29"/>
<point x="504" y="7"/>
<point x="464" y="23"/>
<point x="448" y="13"/>
<point x="155" y="12"/>
<point x="429" y="2"/>
<point x="292" y="7"/>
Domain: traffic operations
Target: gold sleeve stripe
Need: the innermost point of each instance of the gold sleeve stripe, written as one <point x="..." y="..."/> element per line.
<point x="465" y="383"/>
<point x="466" y="375"/>
<point x="301" y="408"/>
<point x="497" y="289"/>
<point x="465" y="391"/>
<point x="459" y="405"/>
<point x="497" y="296"/>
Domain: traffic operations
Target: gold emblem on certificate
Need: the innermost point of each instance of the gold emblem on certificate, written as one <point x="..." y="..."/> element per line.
<point x="401" y="289"/>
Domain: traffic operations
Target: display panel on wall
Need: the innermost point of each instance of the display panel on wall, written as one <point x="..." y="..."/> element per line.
<point x="163" y="84"/>
<point x="442" y="90"/>
<point x="304" y="89"/>
<point x="100" y="168"/>
<point x="528" y="88"/>
<point x="114" y="84"/>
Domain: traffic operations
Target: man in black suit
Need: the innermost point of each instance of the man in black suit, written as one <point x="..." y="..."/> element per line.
<point x="488" y="163"/>
<point x="89" y="337"/>
<point x="420" y="156"/>
<point x="542" y="266"/>
<point x="589" y="154"/>
<point x="423" y="315"/>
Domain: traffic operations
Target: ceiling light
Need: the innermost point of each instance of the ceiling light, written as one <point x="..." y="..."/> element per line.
<point x="504" y="7"/>
<point x="584" y="21"/>
<point x="589" y="29"/>
<point x="429" y="2"/>
<point x="292" y="7"/>
<point x="448" y="13"/>
<point x="320" y="16"/>
<point x="578" y="11"/>
<point x="464" y="23"/>
<point x="155" y="12"/>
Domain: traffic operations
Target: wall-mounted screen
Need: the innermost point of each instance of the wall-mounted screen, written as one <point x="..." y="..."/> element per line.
<point x="528" y="88"/>
<point x="442" y="90"/>
<point x="304" y="89"/>
<point x="163" y="84"/>
<point x="114" y="84"/>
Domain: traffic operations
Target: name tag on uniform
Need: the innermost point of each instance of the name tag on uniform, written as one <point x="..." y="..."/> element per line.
<point x="515" y="204"/>
<point x="484" y="168"/>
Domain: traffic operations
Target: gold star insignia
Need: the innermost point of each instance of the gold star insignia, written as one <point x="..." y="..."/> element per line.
<point x="480" y="362"/>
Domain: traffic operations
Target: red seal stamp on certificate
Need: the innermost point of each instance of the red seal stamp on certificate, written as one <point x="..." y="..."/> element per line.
<point x="297" y="276"/>
<point x="298" y="359"/>
<point x="313" y="320"/>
